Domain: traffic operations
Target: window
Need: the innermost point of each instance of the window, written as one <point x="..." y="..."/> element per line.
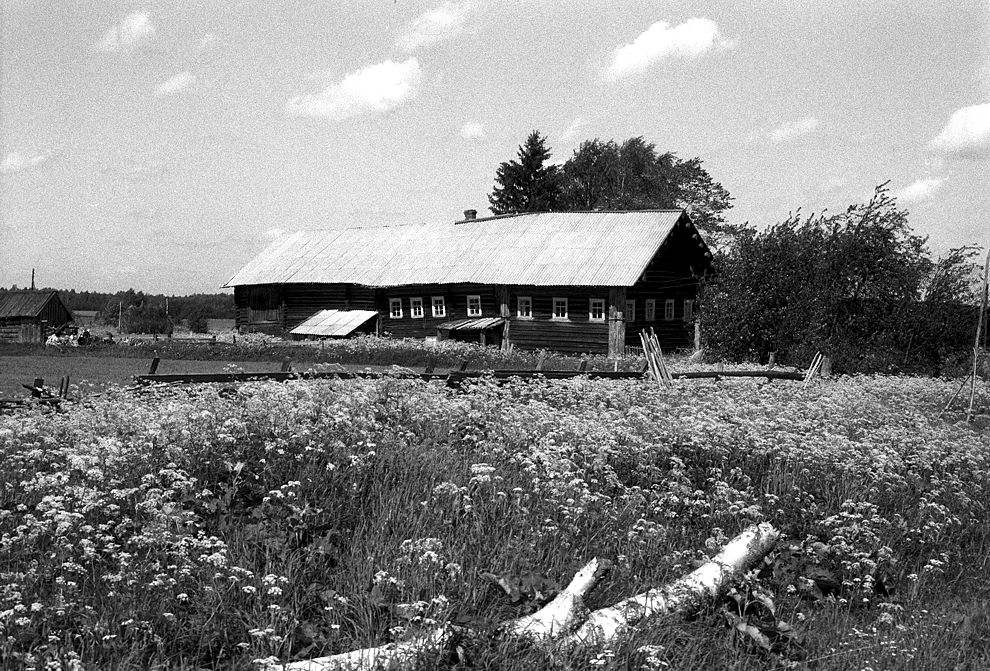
<point x="688" y="309"/>
<point x="559" y="308"/>
<point x="596" y="310"/>
<point x="439" y="306"/>
<point x="631" y="311"/>
<point x="651" y="310"/>
<point x="416" y="308"/>
<point x="668" y="309"/>
<point x="395" y="308"/>
<point x="474" y="306"/>
<point x="524" y="307"/>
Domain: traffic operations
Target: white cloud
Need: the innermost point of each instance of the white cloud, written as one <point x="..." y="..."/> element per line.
<point x="129" y="33"/>
<point x="793" y="129"/>
<point x="690" y="39"/>
<point x="17" y="161"/>
<point x="967" y="134"/>
<point x="577" y="127"/>
<point x="375" y="88"/>
<point x="472" y="130"/>
<point x="433" y="26"/>
<point x="920" y="190"/>
<point x="175" y="84"/>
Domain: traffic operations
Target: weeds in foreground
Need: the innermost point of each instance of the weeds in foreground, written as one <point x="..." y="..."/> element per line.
<point x="228" y="528"/>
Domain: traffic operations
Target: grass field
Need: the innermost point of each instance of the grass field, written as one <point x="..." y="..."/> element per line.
<point x="201" y="527"/>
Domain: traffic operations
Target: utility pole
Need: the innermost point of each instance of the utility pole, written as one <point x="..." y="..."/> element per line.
<point x="120" y="316"/>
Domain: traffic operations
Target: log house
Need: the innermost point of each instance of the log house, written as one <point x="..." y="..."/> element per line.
<point x="575" y="282"/>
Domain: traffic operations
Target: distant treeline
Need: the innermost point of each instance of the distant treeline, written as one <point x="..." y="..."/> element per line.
<point x="152" y="313"/>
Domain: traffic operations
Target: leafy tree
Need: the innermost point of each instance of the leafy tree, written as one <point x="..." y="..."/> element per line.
<point x="859" y="285"/>
<point x="633" y="176"/>
<point x="529" y="184"/>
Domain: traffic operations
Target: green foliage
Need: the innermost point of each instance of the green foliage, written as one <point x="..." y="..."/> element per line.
<point x="860" y="286"/>
<point x="197" y="318"/>
<point x="529" y="184"/>
<point x="633" y="176"/>
<point x="221" y="527"/>
<point x="607" y="175"/>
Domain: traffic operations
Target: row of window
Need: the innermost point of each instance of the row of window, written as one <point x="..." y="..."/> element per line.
<point x="524" y="308"/>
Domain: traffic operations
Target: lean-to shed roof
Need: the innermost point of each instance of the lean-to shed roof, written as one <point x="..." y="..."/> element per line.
<point x="542" y="249"/>
<point x="24" y="303"/>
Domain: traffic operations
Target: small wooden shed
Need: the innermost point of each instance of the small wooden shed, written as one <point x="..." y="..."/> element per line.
<point x="30" y="315"/>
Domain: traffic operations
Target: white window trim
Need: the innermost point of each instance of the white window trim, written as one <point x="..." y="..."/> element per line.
<point x="479" y="311"/>
<point x="688" y="309"/>
<point x="668" y="310"/>
<point x="412" y="308"/>
<point x="529" y="303"/>
<point x="650" y="311"/>
<point x="591" y="309"/>
<point x="631" y="310"/>
<point x="553" y="309"/>
<point x="443" y="306"/>
<point x="395" y="306"/>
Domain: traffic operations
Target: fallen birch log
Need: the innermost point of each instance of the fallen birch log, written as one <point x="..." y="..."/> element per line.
<point x="556" y="618"/>
<point x="704" y="584"/>
<point x="567" y="609"/>
<point x="391" y="656"/>
<point x="564" y="612"/>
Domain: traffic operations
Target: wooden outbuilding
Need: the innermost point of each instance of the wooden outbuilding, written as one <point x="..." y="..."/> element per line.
<point x="566" y="281"/>
<point x="30" y="315"/>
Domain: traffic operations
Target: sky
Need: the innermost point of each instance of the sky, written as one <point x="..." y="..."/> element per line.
<point x="161" y="144"/>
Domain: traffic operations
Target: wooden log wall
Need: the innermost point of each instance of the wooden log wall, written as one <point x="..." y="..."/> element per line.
<point x="575" y="335"/>
<point x="670" y="275"/>
<point x="455" y="300"/>
<point x="278" y="308"/>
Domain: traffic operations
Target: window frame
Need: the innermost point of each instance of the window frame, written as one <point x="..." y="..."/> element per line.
<point x="395" y="306"/>
<point x="475" y="297"/>
<point x="631" y="310"/>
<point x="529" y="307"/>
<point x="688" y="309"/>
<point x="415" y="302"/>
<point x="650" y="310"/>
<point x="591" y="309"/>
<point x="440" y="301"/>
<point x="553" y="310"/>
<point x="668" y="310"/>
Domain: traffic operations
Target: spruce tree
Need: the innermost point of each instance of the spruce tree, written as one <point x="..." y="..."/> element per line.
<point x="529" y="184"/>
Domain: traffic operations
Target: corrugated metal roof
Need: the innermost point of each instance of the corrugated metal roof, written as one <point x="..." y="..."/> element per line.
<point x="334" y="322"/>
<point x="541" y="248"/>
<point x="25" y="303"/>
<point x="472" y="324"/>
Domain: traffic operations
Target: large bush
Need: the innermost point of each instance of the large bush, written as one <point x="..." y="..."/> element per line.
<point x="860" y="286"/>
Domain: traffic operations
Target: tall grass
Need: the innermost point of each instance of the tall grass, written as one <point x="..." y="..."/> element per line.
<point x="220" y="528"/>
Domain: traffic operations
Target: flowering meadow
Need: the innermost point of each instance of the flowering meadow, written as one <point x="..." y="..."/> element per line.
<point x="236" y="527"/>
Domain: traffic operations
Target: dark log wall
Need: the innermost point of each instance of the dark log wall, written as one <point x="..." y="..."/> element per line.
<point x="55" y="312"/>
<point x="576" y="335"/>
<point x="277" y="308"/>
<point x="673" y="274"/>
<point x="455" y="299"/>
